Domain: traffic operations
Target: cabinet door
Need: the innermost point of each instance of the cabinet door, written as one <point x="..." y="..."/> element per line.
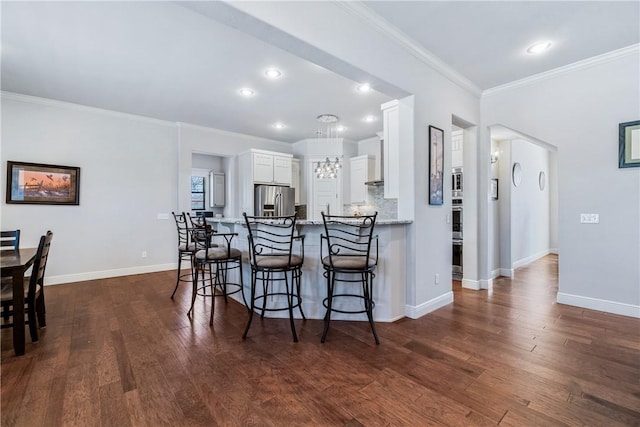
<point x="282" y="170"/>
<point x="217" y="190"/>
<point x="263" y="168"/>
<point x="295" y="178"/>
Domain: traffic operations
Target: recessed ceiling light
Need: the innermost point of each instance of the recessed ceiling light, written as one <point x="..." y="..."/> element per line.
<point x="340" y="128"/>
<point x="273" y="73"/>
<point x="364" y="88"/>
<point x="370" y="119"/>
<point x="279" y="125"/>
<point x="539" y="47"/>
<point x="246" y="92"/>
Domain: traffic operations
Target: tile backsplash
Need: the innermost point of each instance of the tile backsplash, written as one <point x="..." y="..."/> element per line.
<point x="387" y="208"/>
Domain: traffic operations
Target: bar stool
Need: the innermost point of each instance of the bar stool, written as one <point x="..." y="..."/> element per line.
<point x="348" y="242"/>
<point x="186" y="249"/>
<point x="273" y="261"/>
<point x="218" y="257"/>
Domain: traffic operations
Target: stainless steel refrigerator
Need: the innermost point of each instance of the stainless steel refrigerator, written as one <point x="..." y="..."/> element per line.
<point x="272" y="200"/>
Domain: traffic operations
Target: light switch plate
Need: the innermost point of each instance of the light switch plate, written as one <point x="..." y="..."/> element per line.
<point x="163" y="216"/>
<point x="589" y="218"/>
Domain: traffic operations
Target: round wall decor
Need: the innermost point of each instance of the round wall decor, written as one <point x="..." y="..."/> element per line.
<point x="516" y="174"/>
<point x="542" y="179"/>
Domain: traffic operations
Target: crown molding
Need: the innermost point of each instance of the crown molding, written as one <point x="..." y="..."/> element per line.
<point x="567" y="69"/>
<point x="383" y="26"/>
<point x="79" y="107"/>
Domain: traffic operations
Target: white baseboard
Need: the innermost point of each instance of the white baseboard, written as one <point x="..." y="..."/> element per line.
<point x="471" y="284"/>
<point x="613" y="307"/>
<point x="93" y="275"/>
<point x="486" y="284"/>
<point x="553" y="251"/>
<point x="506" y="272"/>
<point x="528" y="260"/>
<point x="415" y="312"/>
<point x="495" y="273"/>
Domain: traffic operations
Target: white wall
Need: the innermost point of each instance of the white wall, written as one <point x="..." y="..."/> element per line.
<point x="530" y="220"/>
<point x="127" y="177"/>
<point x="579" y="112"/>
<point x="130" y="169"/>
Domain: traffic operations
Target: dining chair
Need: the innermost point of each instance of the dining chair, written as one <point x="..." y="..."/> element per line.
<point x="33" y="292"/>
<point x="10" y="240"/>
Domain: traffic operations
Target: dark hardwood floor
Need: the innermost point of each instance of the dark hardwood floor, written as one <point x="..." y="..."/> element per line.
<point x="119" y="352"/>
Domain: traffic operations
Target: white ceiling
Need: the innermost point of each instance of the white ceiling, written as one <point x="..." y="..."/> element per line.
<point x="486" y="41"/>
<point x="178" y="62"/>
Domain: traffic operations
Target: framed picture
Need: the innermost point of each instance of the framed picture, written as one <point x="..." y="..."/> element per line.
<point x="629" y="144"/>
<point x="436" y="166"/>
<point x="35" y="183"/>
<point x="494" y="189"/>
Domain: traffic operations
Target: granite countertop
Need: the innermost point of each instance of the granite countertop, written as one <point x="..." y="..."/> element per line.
<point x="310" y="222"/>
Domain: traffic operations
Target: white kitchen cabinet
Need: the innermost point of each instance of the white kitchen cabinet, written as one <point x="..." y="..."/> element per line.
<point x="217" y="183"/>
<point x="262" y="168"/>
<point x="295" y="178"/>
<point x="362" y="170"/>
<point x="391" y="136"/>
<point x="282" y="170"/>
<point x="271" y="168"/>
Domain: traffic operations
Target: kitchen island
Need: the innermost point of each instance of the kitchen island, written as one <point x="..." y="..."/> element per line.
<point x="389" y="285"/>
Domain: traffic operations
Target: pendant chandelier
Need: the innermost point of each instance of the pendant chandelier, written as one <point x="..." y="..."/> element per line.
<point x="327" y="130"/>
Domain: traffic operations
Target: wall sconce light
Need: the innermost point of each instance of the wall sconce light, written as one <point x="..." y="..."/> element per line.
<point x="494" y="157"/>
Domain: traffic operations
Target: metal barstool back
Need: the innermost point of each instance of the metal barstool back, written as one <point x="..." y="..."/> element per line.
<point x="347" y="250"/>
<point x="276" y="256"/>
<point x="186" y="249"/>
<point x="212" y="263"/>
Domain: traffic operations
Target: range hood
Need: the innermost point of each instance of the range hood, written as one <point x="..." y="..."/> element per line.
<point x="380" y="158"/>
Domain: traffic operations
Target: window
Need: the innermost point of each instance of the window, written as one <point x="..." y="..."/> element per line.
<point x="197" y="192"/>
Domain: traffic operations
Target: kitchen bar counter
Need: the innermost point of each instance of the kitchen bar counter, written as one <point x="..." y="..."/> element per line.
<point x="389" y="283"/>
<point x="308" y="221"/>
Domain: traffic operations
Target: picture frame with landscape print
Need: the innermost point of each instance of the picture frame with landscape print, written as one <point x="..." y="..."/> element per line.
<point x="436" y="166"/>
<point x="629" y="144"/>
<point x="41" y="184"/>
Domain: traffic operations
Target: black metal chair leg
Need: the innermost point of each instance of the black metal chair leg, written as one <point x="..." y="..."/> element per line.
<point x="290" y="300"/>
<point x="253" y="292"/>
<point x="368" y="302"/>
<point x="330" y="285"/>
<point x="178" y="279"/>
<point x="298" y="275"/>
<point x="194" y="289"/>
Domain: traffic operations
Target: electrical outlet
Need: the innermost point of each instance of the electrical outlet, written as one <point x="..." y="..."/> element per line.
<point x="144" y="254"/>
<point x="163" y="216"/>
<point x="586" y="218"/>
<point x="436" y="279"/>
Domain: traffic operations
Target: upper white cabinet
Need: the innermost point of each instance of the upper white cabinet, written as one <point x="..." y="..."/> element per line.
<point x="271" y="168"/>
<point x="282" y="170"/>
<point x="295" y="178"/>
<point x="362" y="170"/>
<point x="391" y="136"/>
<point x="261" y="167"/>
<point x="217" y="189"/>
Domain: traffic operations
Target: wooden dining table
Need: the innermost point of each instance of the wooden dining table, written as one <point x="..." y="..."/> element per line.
<point x="14" y="263"/>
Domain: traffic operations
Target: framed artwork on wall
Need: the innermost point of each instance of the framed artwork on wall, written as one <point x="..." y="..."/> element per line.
<point x="494" y="189"/>
<point x="629" y="144"/>
<point x="40" y="184"/>
<point x="436" y="166"/>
